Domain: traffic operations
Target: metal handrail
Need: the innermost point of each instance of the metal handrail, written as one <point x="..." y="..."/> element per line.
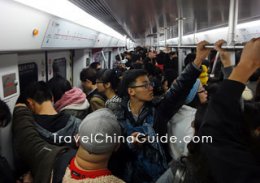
<point x="234" y="47"/>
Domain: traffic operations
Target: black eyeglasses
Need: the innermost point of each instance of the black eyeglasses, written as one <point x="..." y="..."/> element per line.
<point x="146" y="85"/>
<point x="202" y="91"/>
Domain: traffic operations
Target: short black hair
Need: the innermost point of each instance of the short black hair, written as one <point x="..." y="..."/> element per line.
<point x="109" y="76"/>
<point x="5" y="114"/>
<point x="94" y="65"/>
<point x="58" y="85"/>
<point x="38" y="91"/>
<point x="189" y="58"/>
<point x="88" y="74"/>
<point x="129" y="78"/>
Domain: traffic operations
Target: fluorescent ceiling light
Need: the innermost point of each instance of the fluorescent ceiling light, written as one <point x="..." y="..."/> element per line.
<point x="219" y="30"/>
<point x="69" y="11"/>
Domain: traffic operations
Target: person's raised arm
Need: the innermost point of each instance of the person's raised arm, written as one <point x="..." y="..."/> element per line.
<point x="229" y="151"/>
<point x="225" y="58"/>
<point x="249" y="62"/>
<point x="180" y="88"/>
<point x="201" y="53"/>
<point x="224" y="55"/>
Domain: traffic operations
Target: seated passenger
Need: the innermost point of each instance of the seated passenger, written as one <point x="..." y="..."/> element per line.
<point x="48" y="122"/>
<point x="138" y="117"/>
<point x="107" y="84"/>
<point x="67" y="99"/>
<point x="88" y="79"/>
<point x="234" y="154"/>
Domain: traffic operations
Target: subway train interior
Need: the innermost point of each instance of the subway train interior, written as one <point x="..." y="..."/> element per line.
<point x="42" y="38"/>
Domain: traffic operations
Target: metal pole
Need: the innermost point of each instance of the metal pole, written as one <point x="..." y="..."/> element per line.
<point x="158" y="40"/>
<point x="118" y="52"/>
<point x="105" y="60"/>
<point x="233" y="16"/>
<point x="180" y="34"/>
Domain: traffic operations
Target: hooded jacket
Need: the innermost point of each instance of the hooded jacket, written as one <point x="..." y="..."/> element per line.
<point x="54" y="128"/>
<point x="73" y="102"/>
<point x="34" y="152"/>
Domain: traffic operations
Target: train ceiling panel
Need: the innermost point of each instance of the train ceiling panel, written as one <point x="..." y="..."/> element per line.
<point x="142" y="18"/>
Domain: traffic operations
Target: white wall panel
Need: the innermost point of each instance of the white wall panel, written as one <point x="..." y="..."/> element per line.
<point x="8" y="65"/>
<point x="17" y="23"/>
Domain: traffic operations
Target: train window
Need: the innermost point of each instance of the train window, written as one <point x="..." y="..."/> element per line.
<point x="28" y="73"/>
<point x="87" y="62"/>
<point x="59" y="67"/>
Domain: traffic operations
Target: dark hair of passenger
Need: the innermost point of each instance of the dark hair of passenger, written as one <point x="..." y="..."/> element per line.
<point x="88" y="74"/>
<point x="189" y="58"/>
<point x="5" y="114"/>
<point x="38" y="91"/>
<point x="195" y="102"/>
<point x="158" y="87"/>
<point x="129" y="78"/>
<point x="94" y="65"/>
<point x="58" y="85"/>
<point x="160" y="58"/>
<point x="117" y="57"/>
<point x="109" y="76"/>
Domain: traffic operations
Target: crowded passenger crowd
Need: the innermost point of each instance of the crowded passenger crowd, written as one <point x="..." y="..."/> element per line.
<point x="157" y="119"/>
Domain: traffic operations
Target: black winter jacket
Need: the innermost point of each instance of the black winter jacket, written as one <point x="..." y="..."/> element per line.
<point x="229" y="158"/>
<point x="175" y="98"/>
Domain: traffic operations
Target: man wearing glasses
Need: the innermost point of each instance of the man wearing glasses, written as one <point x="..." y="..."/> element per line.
<point x="143" y="121"/>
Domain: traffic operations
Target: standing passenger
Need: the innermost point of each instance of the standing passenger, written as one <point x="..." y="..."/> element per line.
<point x="68" y="100"/>
<point x="107" y="84"/>
<point x="91" y="161"/>
<point x="48" y="122"/>
<point x="139" y="118"/>
<point x="88" y="77"/>
<point x="233" y="155"/>
<point x="50" y="163"/>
